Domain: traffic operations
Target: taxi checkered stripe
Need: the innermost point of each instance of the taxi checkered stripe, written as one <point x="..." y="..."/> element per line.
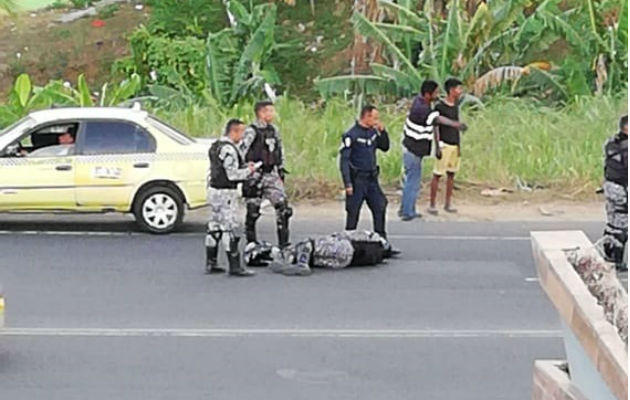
<point x="141" y="157"/>
<point x="103" y="158"/>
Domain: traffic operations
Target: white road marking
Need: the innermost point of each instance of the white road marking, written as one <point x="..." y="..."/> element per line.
<point x="313" y="333"/>
<point x="460" y="237"/>
<point x="126" y="234"/>
<point x="71" y="233"/>
<point x="531" y="279"/>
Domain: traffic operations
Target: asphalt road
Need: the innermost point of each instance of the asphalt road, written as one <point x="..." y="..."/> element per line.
<point x="95" y="310"/>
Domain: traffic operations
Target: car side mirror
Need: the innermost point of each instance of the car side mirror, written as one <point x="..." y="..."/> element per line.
<point x="11" y="150"/>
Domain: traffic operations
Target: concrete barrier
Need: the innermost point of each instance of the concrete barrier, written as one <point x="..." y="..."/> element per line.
<point x="597" y="357"/>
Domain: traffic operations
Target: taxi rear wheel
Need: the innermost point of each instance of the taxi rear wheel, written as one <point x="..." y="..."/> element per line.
<point x="159" y="209"/>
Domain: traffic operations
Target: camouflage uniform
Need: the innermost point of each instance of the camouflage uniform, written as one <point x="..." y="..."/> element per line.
<point x="616" y="231"/>
<point x="224" y="202"/>
<point x="616" y="192"/>
<point x="226" y="169"/>
<point x="269" y="184"/>
<point x="336" y="251"/>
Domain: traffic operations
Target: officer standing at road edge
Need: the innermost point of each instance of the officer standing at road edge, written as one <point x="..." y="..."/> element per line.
<point x="227" y="169"/>
<point x="616" y="192"/>
<point x="262" y="143"/>
<point x="360" y="170"/>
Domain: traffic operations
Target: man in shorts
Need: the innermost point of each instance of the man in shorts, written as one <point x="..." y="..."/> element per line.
<point x="449" y="146"/>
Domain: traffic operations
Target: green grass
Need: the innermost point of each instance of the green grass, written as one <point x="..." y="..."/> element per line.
<point x="509" y="138"/>
<point x="26" y="5"/>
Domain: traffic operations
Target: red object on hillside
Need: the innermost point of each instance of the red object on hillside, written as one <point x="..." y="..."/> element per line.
<point x="98" y="23"/>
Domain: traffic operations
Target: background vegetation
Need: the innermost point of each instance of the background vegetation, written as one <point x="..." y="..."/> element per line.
<point x="549" y="78"/>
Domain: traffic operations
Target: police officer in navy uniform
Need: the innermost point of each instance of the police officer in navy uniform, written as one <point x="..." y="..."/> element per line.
<point x="359" y="170"/>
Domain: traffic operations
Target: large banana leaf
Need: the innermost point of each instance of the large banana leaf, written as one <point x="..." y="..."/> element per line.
<point x="261" y="40"/>
<point x="411" y="17"/>
<point x="405" y="83"/>
<point x="221" y="57"/>
<point x="369" y="29"/>
<point x="22" y="89"/>
<point x="398" y="33"/>
<point x="124" y="91"/>
<point x="450" y="39"/>
<point x="85" y="97"/>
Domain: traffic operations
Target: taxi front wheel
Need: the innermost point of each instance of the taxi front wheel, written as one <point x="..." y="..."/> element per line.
<point x="159" y="209"/>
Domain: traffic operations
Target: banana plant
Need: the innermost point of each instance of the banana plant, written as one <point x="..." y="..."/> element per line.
<point x="26" y="97"/>
<point x="23" y="98"/>
<point x="238" y="58"/>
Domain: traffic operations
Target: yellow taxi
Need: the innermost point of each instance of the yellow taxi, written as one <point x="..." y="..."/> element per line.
<point x="95" y="160"/>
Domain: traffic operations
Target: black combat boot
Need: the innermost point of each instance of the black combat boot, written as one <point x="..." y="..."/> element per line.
<point x="212" y="266"/>
<point x="609" y="252"/>
<point x="212" y="251"/>
<point x="283" y="237"/>
<point x="620" y="264"/>
<point x="283" y="214"/>
<point x="234" y="259"/>
<point x="253" y="213"/>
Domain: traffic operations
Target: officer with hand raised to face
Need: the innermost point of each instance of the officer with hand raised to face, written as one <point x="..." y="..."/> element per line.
<point x="359" y="170"/>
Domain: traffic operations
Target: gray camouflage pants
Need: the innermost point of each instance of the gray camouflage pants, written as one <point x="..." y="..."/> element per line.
<point x="332" y="252"/>
<point x="272" y="190"/>
<point x="223" y="214"/>
<point x="616" y="231"/>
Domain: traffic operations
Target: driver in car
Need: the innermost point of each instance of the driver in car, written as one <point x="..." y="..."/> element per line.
<point x="65" y="147"/>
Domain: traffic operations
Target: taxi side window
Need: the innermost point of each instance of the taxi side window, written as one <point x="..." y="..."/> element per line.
<point x="115" y="137"/>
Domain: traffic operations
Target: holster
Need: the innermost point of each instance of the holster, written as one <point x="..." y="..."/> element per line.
<point x="252" y="187"/>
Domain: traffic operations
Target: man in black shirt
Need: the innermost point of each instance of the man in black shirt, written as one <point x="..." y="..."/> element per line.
<point x="448" y="142"/>
<point x="420" y="131"/>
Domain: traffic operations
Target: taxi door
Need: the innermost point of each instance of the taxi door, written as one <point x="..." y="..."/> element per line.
<point x="113" y="157"/>
<point x="36" y="183"/>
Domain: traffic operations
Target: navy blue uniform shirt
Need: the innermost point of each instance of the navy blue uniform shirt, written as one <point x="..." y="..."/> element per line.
<point x="358" y="150"/>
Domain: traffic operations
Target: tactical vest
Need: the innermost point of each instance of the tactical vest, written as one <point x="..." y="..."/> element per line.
<point x="218" y="176"/>
<point x="265" y="148"/>
<point x="616" y="164"/>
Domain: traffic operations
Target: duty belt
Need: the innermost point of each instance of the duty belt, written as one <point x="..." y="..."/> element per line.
<point x="356" y="173"/>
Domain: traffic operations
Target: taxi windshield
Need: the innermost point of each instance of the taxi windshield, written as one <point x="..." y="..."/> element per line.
<point x="170" y="131"/>
<point x="20" y="125"/>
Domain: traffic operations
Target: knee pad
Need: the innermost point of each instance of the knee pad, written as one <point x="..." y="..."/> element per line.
<point x="253" y="211"/>
<point x="283" y="214"/>
<point x="621" y="236"/>
<point x="284" y="210"/>
<point x="304" y="252"/>
<point x="213" y="238"/>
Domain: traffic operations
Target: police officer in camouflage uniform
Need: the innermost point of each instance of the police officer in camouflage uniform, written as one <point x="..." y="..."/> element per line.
<point x="616" y="192"/>
<point x="335" y="251"/>
<point x="262" y="143"/>
<point x="227" y="169"/>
